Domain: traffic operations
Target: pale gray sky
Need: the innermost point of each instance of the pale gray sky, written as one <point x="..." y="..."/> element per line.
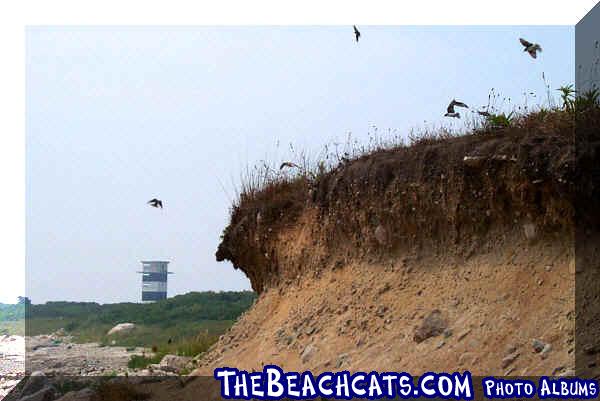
<point x="116" y="116"/>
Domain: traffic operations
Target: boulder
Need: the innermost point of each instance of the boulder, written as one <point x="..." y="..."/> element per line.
<point x="432" y="325"/>
<point x="538" y="345"/>
<point x="546" y="351"/>
<point x="308" y="352"/>
<point x="121" y="328"/>
<point x="34" y="383"/>
<point x="45" y="394"/>
<point x="174" y="363"/>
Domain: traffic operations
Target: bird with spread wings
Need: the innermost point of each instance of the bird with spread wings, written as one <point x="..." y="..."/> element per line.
<point x="451" y="112"/>
<point x="155" y="203"/>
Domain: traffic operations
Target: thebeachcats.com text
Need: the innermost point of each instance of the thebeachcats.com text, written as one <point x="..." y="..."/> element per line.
<point x="272" y="383"/>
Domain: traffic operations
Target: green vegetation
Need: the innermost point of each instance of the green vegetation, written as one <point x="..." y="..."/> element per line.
<point x="178" y="318"/>
<point x="12" y="319"/>
<point x="12" y="327"/>
<point x="11" y="313"/>
<point x="188" y="347"/>
<point x="184" y="325"/>
<point x="501" y="120"/>
<point x="192" y="321"/>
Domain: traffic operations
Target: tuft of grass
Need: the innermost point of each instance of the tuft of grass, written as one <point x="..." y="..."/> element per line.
<point x="567" y="95"/>
<point x="587" y="100"/>
<point x="142" y="361"/>
<point x="501" y="120"/>
<point x="185" y="347"/>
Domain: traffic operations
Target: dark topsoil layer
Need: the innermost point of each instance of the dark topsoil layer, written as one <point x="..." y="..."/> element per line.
<point x="448" y="195"/>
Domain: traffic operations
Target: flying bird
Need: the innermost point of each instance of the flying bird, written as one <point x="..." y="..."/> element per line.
<point x="356" y="33"/>
<point x="484" y="113"/>
<point x="453" y="113"/>
<point x="288" y="164"/>
<point x="155" y="203"/>
<point x="531" y="48"/>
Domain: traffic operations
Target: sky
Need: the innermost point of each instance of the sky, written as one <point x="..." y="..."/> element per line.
<point x="116" y="116"/>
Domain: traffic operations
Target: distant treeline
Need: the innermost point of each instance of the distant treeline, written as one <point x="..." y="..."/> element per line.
<point x="194" y="306"/>
<point x="10" y="313"/>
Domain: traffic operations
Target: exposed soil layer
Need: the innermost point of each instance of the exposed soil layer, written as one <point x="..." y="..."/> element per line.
<point x="367" y="316"/>
<point x="453" y="253"/>
<point x="449" y="195"/>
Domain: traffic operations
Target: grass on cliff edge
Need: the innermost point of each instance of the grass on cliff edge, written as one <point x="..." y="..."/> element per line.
<point x="271" y="187"/>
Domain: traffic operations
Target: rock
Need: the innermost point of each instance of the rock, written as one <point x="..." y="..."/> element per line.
<point x="504" y="158"/>
<point x="121" y="328"/>
<point x="159" y="370"/>
<point x="59" y="333"/>
<point x="591" y="349"/>
<point x="545" y="351"/>
<point x="174" y="363"/>
<point x="7" y="383"/>
<point x="45" y="394"/>
<point x="568" y="372"/>
<point x="463" y="334"/>
<point x="558" y="370"/>
<point x="380" y="312"/>
<point x="432" y="325"/>
<point x="473" y="161"/>
<point x="307" y="353"/>
<point x="35" y="383"/>
<point x="509" y="359"/>
<point x="538" y="345"/>
<point x="341" y="360"/>
<point x="530" y="231"/>
<point x="381" y="235"/>
<point x="309" y="331"/>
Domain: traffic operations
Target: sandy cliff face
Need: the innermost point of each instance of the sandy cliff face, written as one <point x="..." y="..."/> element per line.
<point x="365" y="316"/>
<point x="454" y="253"/>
